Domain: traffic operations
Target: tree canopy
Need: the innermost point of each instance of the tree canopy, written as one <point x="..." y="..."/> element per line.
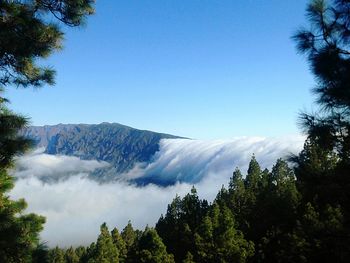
<point x="27" y="34"/>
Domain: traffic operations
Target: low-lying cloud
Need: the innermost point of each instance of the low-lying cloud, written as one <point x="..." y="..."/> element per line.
<point x="181" y="160"/>
<point x="53" y="168"/>
<point x="76" y="206"/>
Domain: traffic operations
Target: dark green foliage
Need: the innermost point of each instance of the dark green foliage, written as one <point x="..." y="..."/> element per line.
<point x="56" y="255"/>
<point x="271" y="223"/>
<point x="325" y="233"/>
<point x="104" y="251"/>
<point x="151" y="248"/>
<point x="80" y="252"/>
<point x="26" y="35"/>
<point x="11" y="144"/>
<point x="179" y="224"/>
<point x="120" y="245"/>
<point x="194" y="231"/>
<point x="322" y="168"/>
<point x="129" y="236"/>
<point x="236" y="199"/>
<point x="18" y="232"/>
<point x="88" y="253"/>
<point x="70" y="256"/>
<point x="40" y="254"/>
<point x="253" y="176"/>
<point x="327" y="47"/>
<point x="265" y="206"/>
<point x="218" y="240"/>
<point x="276" y="213"/>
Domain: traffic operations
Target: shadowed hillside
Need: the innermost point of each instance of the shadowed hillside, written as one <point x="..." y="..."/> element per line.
<point x="117" y="144"/>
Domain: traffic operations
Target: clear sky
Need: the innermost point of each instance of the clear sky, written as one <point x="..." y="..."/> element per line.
<point x="196" y="68"/>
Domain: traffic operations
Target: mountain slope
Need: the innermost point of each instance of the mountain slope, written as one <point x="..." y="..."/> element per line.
<point x="117" y="144"/>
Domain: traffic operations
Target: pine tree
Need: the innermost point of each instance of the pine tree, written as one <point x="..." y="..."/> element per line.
<point x="204" y="242"/>
<point x="129" y="236"/>
<point x="327" y="47"/>
<point x="277" y="216"/>
<point x="322" y="168"/>
<point x="253" y="175"/>
<point x="56" y="255"/>
<point x="104" y="251"/>
<point x="40" y="254"/>
<point x="168" y="226"/>
<point x="238" y="199"/>
<point x="70" y="256"/>
<point x="88" y="253"/>
<point x="27" y="33"/>
<point x="193" y="209"/>
<point x="120" y="245"/>
<point x="80" y="252"/>
<point x="324" y="233"/>
<point x="178" y="226"/>
<point x="151" y="248"/>
<point x="19" y="233"/>
<point x="218" y="240"/>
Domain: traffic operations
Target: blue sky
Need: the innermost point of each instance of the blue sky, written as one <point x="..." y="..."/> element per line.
<point x="196" y="68"/>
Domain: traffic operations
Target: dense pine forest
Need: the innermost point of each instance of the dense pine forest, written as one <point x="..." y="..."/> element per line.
<point x="299" y="211"/>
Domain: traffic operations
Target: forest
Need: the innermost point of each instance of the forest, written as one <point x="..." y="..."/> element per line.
<point x="299" y="211"/>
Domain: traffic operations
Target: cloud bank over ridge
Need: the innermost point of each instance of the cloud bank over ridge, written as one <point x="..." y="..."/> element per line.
<point x="75" y="206"/>
<point x="181" y="160"/>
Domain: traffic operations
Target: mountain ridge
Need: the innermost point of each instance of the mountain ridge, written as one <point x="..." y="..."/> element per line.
<point x="120" y="145"/>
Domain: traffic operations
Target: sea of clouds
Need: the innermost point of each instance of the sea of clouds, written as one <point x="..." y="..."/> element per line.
<point x="75" y="206"/>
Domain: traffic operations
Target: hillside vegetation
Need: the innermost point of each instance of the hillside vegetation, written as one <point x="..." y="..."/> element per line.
<point x="117" y="144"/>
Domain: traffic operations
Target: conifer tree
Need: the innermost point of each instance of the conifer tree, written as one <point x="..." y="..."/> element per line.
<point x="324" y="234"/>
<point x="56" y="255"/>
<point x="277" y="210"/>
<point x="88" y="253"/>
<point x="322" y="168"/>
<point x="105" y="251"/>
<point x="19" y="233"/>
<point x="237" y="199"/>
<point x="70" y="256"/>
<point x="40" y="254"/>
<point x="218" y="240"/>
<point x="80" y="252"/>
<point x="204" y="242"/>
<point x="327" y="47"/>
<point x="129" y="236"/>
<point x="178" y="226"/>
<point x="151" y="248"/>
<point x="193" y="209"/>
<point x="27" y="34"/>
<point x="253" y="175"/>
<point x="120" y="245"/>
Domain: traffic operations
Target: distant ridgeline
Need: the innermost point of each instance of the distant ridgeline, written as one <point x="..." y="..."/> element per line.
<point x="117" y="144"/>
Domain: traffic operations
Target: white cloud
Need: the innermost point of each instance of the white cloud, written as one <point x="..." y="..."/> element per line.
<point x="192" y="160"/>
<point x="76" y="207"/>
<point x="45" y="166"/>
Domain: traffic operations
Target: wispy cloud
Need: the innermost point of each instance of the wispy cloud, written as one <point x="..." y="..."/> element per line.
<point x="190" y="161"/>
